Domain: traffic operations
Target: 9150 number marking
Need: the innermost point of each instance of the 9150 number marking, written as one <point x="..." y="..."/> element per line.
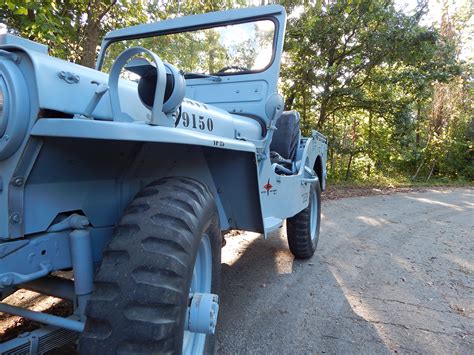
<point x="196" y="122"/>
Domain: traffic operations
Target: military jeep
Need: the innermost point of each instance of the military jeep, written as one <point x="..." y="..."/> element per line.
<point x="128" y="174"/>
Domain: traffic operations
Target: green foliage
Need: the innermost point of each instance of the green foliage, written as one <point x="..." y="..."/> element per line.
<point x="393" y="97"/>
<point x="71" y="28"/>
<point x="367" y="76"/>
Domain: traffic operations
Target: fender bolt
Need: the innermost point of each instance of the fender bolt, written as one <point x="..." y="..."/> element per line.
<point x="15" y="218"/>
<point x="17" y="181"/>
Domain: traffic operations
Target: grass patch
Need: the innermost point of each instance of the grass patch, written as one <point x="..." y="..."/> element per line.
<point x="383" y="181"/>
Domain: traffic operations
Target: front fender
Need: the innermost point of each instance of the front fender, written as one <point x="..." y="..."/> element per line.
<point x="133" y="131"/>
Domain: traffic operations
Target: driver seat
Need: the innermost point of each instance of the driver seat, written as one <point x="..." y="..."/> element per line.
<point x="285" y="138"/>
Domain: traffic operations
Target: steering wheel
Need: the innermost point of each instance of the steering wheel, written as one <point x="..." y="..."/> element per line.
<point x="235" y="67"/>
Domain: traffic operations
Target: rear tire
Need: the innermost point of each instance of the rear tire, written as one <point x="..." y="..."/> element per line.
<point x="141" y="290"/>
<point x="303" y="229"/>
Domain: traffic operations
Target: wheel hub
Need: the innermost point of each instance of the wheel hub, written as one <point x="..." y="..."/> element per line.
<point x="201" y="316"/>
<point x="199" y="321"/>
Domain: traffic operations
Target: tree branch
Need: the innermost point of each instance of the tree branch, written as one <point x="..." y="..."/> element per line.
<point x="106" y="10"/>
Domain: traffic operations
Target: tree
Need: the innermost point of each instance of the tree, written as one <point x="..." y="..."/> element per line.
<point x="392" y="95"/>
<point x="73" y="28"/>
<point x="334" y="50"/>
<point x="448" y="149"/>
<point x="370" y="67"/>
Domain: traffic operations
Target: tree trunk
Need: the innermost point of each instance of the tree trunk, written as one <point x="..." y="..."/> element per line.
<point x="431" y="171"/>
<point x="304" y="106"/>
<point x="289" y="100"/>
<point x="418" y="169"/>
<point x="331" y="146"/>
<point x="90" y="46"/>
<point x="326" y="91"/>
<point x="95" y="14"/>
<point x="369" y="143"/>
<point x="32" y="18"/>
<point x="323" y="111"/>
<point x="348" y="170"/>
<point x="417" y="126"/>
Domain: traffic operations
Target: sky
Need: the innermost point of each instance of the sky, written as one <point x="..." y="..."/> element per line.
<point x="433" y="17"/>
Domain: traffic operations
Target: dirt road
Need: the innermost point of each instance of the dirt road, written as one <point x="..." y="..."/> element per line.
<point x="391" y="274"/>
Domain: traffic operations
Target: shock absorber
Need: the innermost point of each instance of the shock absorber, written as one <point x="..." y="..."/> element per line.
<point x="82" y="262"/>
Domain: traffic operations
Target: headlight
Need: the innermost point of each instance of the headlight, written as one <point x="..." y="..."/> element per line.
<point x="14" y="108"/>
<point x="3" y="107"/>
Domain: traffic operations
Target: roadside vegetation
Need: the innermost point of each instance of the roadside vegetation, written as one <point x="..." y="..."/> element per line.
<point x="393" y="94"/>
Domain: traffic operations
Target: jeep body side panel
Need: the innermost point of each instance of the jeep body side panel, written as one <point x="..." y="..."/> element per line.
<point x="283" y="196"/>
<point x="99" y="178"/>
<point x="207" y="126"/>
<point x="72" y="163"/>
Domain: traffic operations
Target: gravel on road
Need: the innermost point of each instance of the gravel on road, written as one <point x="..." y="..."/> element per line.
<point x="392" y="274"/>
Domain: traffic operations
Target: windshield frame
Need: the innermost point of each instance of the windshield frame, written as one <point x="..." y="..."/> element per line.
<point x="107" y="42"/>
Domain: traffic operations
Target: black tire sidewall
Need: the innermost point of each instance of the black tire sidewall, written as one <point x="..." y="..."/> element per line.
<point x="298" y="227"/>
<point x="316" y="187"/>
<point x="194" y="214"/>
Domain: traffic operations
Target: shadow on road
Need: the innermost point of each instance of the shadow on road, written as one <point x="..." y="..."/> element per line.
<point x="271" y="303"/>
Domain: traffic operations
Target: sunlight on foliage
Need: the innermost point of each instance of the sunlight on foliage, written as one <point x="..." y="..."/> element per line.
<point x="394" y="96"/>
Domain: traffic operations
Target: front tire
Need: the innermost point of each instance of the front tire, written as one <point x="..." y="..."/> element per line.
<point x="303" y="229"/>
<point x="167" y="244"/>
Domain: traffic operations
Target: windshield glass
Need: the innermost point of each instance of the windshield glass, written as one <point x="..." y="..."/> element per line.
<point x="237" y="48"/>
